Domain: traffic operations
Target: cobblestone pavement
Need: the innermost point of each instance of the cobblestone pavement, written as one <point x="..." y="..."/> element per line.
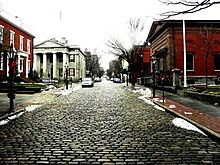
<point x="105" y="124"/>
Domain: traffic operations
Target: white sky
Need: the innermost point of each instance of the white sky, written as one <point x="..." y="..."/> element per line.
<point x="89" y="23"/>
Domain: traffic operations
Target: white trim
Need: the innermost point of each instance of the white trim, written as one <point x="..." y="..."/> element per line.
<point x="29" y="65"/>
<point x="28" y="46"/>
<point x="1" y="34"/>
<point x="21" y="65"/>
<point x="21" y="43"/>
<point x="1" y="61"/>
<point x="22" y="54"/>
<point x="184" y="55"/>
<point x="12" y="39"/>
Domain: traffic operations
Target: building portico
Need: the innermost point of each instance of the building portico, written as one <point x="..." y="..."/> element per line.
<point x="52" y="57"/>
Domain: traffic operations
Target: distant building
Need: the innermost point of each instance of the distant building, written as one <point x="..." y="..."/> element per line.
<point x="142" y="61"/>
<point x="22" y="41"/>
<point x="166" y="38"/>
<point x="54" y="59"/>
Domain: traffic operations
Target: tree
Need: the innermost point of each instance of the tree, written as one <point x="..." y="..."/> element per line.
<point x="208" y="42"/>
<point x="191" y="6"/>
<point x="114" y="68"/>
<point x="128" y="53"/>
<point x="92" y="64"/>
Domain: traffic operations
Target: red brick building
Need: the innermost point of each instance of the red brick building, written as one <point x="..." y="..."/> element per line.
<point x="10" y="33"/>
<point x="202" y="39"/>
<point x="142" y="61"/>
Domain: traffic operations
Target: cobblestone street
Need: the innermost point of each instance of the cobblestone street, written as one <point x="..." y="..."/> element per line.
<point x="106" y="124"/>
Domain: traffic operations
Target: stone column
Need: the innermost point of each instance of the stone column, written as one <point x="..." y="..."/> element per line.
<point x="35" y="62"/>
<point x="64" y="64"/>
<point x="55" y="65"/>
<point x="44" y="65"/>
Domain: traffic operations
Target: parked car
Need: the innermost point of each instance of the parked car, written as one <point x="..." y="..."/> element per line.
<point x="87" y="82"/>
<point x="97" y="79"/>
<point x="117" y="80"/>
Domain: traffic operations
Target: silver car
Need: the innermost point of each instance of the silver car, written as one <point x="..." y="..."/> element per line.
<point x="87" y="82"/>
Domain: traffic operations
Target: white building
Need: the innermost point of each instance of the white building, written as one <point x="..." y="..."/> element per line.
<point x="51" y="58"/>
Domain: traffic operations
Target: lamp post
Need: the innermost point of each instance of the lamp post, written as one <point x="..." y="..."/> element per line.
<point x="12" y="72"/>
<point x="163" y="79"/>
<point x="66" y="79"/>
<point x="154" y="61"/>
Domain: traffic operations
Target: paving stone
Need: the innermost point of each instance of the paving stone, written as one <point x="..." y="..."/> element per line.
<point x="106" y="124"/>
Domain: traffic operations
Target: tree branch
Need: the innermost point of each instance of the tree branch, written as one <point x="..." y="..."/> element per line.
<point x="192" y="7"/>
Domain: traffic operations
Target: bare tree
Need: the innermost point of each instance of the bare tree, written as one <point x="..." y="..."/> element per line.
<point x="208" y="42"/>
<point x="93" y="65"/>
<point x="128" y="53"/>
<point x="191" y="6"/>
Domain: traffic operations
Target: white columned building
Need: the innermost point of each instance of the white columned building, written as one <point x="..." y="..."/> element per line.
<point x="52" y="56"/>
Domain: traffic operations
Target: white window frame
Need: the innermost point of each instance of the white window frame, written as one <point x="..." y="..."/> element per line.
<point x="21" y="43"/>
<point x="29" y="66"/>
<point x="1" y="61"/>
<point x="28" y="46"/>
<point x="12" y="38"/>
<point x="21" y="67"/>
<point x="1" y="33"/>
<point x="72" y="58"/>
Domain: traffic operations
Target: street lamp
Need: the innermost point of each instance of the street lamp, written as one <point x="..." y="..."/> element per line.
<point x="12" y="72"/>
<point x="66" y="79"/>
<point x="154" y="61"/>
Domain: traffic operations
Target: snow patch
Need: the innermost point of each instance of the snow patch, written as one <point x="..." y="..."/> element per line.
<point x="3" y="122"/>
<point x="146" y="100"/>
<point x="68" y="91"/>
<point x="172" y="106"/>
<point x="15" y="116"/>
<point x="188" y="113"/>
<point x="159" y="108"/>
<point x="186" y="125"/>
<point x="32" y="107"/>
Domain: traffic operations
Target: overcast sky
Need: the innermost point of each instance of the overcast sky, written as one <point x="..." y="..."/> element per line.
<point x="88" y="23"/>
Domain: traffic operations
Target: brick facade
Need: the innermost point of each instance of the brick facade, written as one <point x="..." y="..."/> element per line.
<point x="166" y="38"/>
<point x="24" y="49"/>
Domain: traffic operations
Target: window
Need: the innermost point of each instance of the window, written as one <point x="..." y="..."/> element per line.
<point x="12" y="37"/>
<point x="1" y="61"/>
<point x="72" y="71"/>
<point x="189" y="62"/>
<point x="21" y="65"/>
<point x="28" y="46"/>
<point x="29" y="66"/>
<point x="217" y="62"/>
<point x="72" y="58"/>
<point x="21" y="43"/>
<point x="1" y="33"/>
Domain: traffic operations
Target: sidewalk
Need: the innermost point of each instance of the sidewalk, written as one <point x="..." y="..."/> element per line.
<point x="23" y="100"/>
<point x="204" y="116"/>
